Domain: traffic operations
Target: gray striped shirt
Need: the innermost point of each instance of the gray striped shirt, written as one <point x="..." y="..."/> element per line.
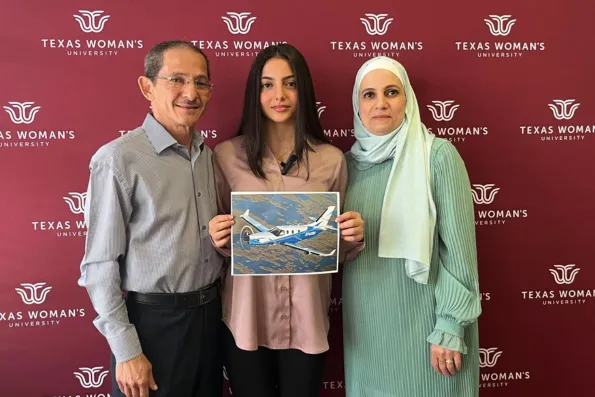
<point x="149" y="201"/>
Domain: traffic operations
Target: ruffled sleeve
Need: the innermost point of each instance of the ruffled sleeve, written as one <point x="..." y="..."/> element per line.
<point x="457" y="285"/>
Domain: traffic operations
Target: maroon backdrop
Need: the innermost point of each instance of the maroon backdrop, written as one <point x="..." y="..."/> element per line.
<point x="509" y="82"/>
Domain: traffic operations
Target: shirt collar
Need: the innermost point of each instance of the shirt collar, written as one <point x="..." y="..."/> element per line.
<point x="161" y="139"/>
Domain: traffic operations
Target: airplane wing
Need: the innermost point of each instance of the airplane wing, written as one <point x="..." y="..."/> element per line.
<point x="246" y="216"/>
<point x="308" y="250"/>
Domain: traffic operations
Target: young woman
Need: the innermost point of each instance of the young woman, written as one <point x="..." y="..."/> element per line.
<point x="276" y="326"/>
<point x="411" y="299"/>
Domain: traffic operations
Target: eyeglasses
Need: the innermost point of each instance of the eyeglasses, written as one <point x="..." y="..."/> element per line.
<point x="178" y="82"/>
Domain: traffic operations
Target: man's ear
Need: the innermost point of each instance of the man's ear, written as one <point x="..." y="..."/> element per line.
<point x="146" y="87"/>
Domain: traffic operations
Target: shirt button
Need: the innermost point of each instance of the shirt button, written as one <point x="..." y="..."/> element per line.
<point x="204" y="227"/>
<point x="206" y="261"/>
<point x="283" y="288"/>
<point x="198" y="194"/>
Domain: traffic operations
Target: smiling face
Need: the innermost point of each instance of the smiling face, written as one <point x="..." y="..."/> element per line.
<point x="180" y="94"/>
<point x="381" y="102"/>
<point x="278" y="91"/>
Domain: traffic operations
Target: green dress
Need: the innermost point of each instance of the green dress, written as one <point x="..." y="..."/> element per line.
<point x="389" y="320"/>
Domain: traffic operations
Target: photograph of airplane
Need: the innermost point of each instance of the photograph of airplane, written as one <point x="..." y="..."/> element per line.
<point x="289" y="235"/>
<point x="279" y="233"/>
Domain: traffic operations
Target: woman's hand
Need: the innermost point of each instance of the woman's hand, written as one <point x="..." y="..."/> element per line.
<point x="220" y="229"/>
<point x="351" y="225"/>
<point x="445" y="362"/>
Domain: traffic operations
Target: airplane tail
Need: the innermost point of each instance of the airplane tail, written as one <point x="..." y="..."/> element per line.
<point x="323" y="219"/>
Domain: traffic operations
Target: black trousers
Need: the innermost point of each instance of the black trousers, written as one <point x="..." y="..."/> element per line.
<point x="183" y="345"/>
<point x="271" y="373"/>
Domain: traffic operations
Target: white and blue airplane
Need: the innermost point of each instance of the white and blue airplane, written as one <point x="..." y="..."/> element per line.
<point x="288" y="235"/>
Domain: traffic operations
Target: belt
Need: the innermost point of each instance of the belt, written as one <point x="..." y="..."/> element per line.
<point x="194" y="298"/>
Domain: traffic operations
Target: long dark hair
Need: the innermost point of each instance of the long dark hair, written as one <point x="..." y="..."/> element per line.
<point x="307" y="123"/>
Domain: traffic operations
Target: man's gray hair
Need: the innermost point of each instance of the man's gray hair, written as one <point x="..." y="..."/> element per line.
<point x="154" y="58"/>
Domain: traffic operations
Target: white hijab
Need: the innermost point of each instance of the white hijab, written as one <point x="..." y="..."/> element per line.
<point x="408" y="217"/>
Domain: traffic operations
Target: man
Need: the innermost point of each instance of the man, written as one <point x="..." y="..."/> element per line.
<point x="149" y="201"/>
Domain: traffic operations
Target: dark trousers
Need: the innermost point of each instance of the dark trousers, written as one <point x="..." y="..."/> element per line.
<point x="182" y="344"/>
<point x="271" y="373"/>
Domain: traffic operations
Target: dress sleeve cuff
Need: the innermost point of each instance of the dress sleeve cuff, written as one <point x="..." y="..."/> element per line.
<point x="126" y="346"/>
<point x="449" y="327"/>
<point x="449" y="335"/>
<point x="448" y="341"/>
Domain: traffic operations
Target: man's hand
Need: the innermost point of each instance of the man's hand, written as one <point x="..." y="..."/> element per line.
<point x="135" y="377"/>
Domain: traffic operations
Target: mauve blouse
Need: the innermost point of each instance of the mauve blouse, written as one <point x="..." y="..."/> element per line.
<point x="279" y="312"/>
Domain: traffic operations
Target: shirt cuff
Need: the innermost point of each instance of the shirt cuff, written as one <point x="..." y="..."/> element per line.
<point x="225" y="252"/>
<point x="126" y="346"/>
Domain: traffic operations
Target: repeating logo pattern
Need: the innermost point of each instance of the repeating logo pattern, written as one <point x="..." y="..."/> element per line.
<point x="93" y="42"/>
<point x="376" y="24"/>
<point x="501" y="34"/>
<point x="76" y="203"/>
<point x="89" y="22"/>
<point x="91" y="378"/>
<point x="22" y="112"/>
<point x="500" y="25"/>
<point x="443" y="110"/>
<point x="564" y="274"/>
<point x="564" y="109"/>
<point x="37" y="312"/>
<point x="488" y="358"/>
<point x="238" y="22"/>
<point x="484" y="194"/>
<point x="33" y="294"/>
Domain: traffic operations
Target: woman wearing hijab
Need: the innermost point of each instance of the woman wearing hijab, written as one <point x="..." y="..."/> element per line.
<point x="411" y="299"/>
<point x="276" y="327"/>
